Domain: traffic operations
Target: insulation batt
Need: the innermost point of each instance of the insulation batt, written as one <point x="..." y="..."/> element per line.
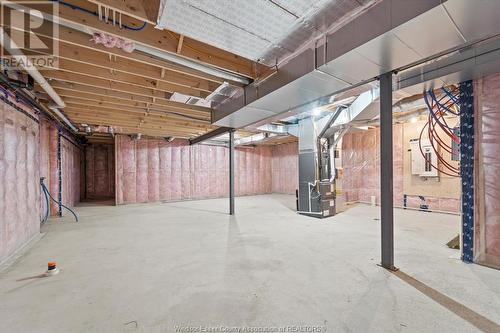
<point x="100" y="171"/>
<point x="150" y="170"/>
<point x="361" y="171"/>
<point x="112" y="41"/>
<point x="28" y="151"/>
<point x="487" y="226"/>
<point x="285" y="168"/>
<point x="19" y="180"/>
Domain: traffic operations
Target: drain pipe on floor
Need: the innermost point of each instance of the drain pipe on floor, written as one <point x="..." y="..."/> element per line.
<point x="25" y="63"/>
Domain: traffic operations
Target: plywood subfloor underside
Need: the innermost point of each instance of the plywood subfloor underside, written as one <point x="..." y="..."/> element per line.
<point x="151" y="267"/>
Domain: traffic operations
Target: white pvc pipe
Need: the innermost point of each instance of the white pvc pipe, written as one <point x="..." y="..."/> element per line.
<point x="28" y="66"/>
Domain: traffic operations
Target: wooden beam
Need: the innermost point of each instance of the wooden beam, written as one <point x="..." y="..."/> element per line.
<point x="127" y="109"/>
<point x="80" y="39"/>
<point x="93" y="57"/>
<point x="105" y="84"/>
<point x="152" y="8"/>
<point x="129" y="79"/>
<point x="163" y="40"/>
<point x="101" y="92"/>
<point x="133" y="8"/>
<point x="139" y="125"/>
<point x="70" y="96"/>
<point x="179" y="44"/>
<point x="144" y="127"/>
<point x="132" y="114"/>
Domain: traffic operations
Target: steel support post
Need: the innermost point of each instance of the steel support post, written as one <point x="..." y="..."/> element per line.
<point x="231" y="172"/>
<point x="386" y="172"/>
<point x="59" y="172"/>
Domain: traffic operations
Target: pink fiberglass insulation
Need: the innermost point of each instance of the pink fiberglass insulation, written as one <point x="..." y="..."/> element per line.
<point x="487" y="203"/>
<point x="361" y="165"/>
<point x="19" y="180"/>
<point x="44" y="151"/>
<point x="53" y="185"/>
<point x="142" y="171"/>
<point x="100" y="171"/>
<point x="151" y="170"/>
<point x="71" y="162"/>
<point x="398" y="164"/>
<point x="176" y="176"/>
<point x="361" y="171"/>
<point x="285" y="172"/>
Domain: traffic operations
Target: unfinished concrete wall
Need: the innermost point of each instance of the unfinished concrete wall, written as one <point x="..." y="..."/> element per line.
<point x="150" y="170"/>
<point x="19" y="180"/>
<point x="361" y="172"/>
<point x="487" y="171"/>
<point x="285" y="168"/>
<point x="100" y="171"/>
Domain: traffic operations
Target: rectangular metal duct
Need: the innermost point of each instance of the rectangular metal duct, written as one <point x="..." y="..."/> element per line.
<point x="390" y="35"/>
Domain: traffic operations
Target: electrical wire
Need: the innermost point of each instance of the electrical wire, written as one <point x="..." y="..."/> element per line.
<point x="51" y="197"/>
<point x="439" y="107"/>
<point x="47" y="204"/>
<point x="96" y="14"/>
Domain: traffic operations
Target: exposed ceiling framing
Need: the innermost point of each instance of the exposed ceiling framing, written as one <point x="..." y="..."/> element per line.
<point x="131" y="92"/>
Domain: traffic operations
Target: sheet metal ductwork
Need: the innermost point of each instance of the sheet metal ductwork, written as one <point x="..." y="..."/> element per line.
<point x="391" y="35"/>
<point x="316" y="193"/>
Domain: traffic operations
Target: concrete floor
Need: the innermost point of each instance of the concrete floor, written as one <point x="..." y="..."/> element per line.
<point x="149" y="268"/>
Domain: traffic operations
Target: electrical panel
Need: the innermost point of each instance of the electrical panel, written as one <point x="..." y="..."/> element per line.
<point x="420" y="165"/>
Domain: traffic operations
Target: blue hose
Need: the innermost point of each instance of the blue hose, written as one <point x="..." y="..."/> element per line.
<point x="50" y="196"/>
<point x="75" y="7"/>
<point x="47" y="207"/>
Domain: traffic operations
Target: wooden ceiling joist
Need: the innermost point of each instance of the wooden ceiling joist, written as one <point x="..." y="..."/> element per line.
<point x="105" y="84"/>
<point x="163" y="40"/>
<point x="79" y="39"/>
<point x="131" y="66"/>
<point x="131" y="91"/>
<point x="99" y="93"/>
<point x="126" y="110"/>
<point x="141" y="10"/>
<point x="129" y="114"/>
<point x="95" y="72"/>
<point x="141" y="127"/>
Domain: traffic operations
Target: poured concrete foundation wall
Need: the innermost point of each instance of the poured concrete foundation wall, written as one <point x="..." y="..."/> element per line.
<point x="285" y="169"/>
<point x="487" y="171"/>
<point x="19" y="180"/>
<point x="150" y="170"/>
<point x="361" y="172"/>
<point x="100" y="171"/>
